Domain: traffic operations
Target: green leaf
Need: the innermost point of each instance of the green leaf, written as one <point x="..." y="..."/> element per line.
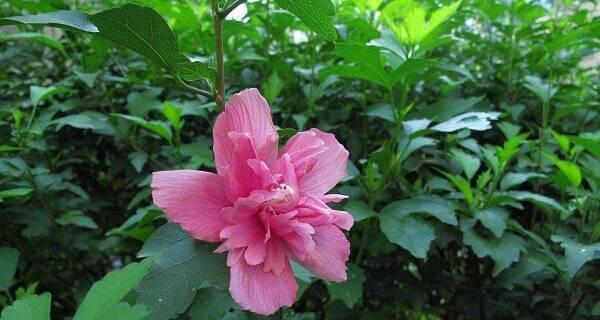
<point x="272" y="87"/>
<point x="38" y="94"/>
<point x="463" y="185"/>
<point x="14" y="193"/>
<point x="569" y="169"/>
<point x="173" y="113"/>
<point x="478" y="121"/>
<point x="88" y="78"/>
<point x="316" y="14"/>
<point x="196" y="70"/>
<point x="536" y="198"/>
<point x="412" y="234"/>
<point x="141" y="29"/>
<point x="494" y="219"/>
<point x="514" y="179"/>
<point x="543" y="90"/>
<point x="65" y="19"/>
<point x="94" y="121"/>
<point x="105" y="294"/>
<point x="359" y="210"/>
<point x="504" y="251"/>
<point x="123" y="311"/>
<point x="407" y="19"/>
<point x="138" y="159"/>
<point x="31" y="307"/>
<point x="185" y="264"/>
<point x="469" y="163"/>
<point x="77" y="218"/>
<point x="367" y="62"/>
<point x="8" y="267"/>
<point x="132" y="26"/>
<point x="34" y="36"/>
<point x="349" y="291"/>
<point x="402" y="226"/>
<point x="591" y="145"/>
<point x="563" y="141"/>
<point x="159" y="127"/>
<point x="577" y="254"/>
<point x="211" y="304"/>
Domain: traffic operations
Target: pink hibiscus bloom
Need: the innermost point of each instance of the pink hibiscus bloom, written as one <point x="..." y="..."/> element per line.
<point x="265" y="207"/>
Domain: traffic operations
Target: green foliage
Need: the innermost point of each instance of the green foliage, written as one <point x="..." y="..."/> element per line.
<point x="104" y="296"/>
<point x="32" y="307"/>
<point x="472" y="127"/>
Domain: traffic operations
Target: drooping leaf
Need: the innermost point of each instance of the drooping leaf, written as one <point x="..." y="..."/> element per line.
<point x="316" y="14"/>
<point x="185" y="264"/>
<point x="106" y="294"/>
<point x="8" y="267"/>
<point x="33" y="307"/>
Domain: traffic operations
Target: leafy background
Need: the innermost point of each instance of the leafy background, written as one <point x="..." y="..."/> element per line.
<point x="472" y="128"/>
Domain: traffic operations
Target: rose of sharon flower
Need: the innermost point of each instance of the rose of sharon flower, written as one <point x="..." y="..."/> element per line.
<point x="264" y="206"/>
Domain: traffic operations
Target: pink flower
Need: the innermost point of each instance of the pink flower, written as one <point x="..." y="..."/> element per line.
<point x="265" y="207"/>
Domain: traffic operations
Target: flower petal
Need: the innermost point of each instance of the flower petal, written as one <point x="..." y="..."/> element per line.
<point x="193" y="199"/>
<point x="328" y="260"/>
<point x="262" y="292"/>
<point x="246" y="112"/>
<point x="319" y="159"/>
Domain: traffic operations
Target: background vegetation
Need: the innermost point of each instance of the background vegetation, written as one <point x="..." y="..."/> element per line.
<point x="472" y="128"/>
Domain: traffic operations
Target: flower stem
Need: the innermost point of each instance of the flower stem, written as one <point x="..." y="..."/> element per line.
<point x="218" y="25"/>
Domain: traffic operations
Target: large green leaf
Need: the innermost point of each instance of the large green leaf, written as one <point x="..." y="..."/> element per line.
<point x="106" y="294"/>
<point x="407" y="18"/>
<point x="211" y="304"/>
<point x="182" y="266"/>
<point x="577" y="254"/>
<point x="504" y="250"/>
<point x="401" y="225"/>
<point x="8" y="267"/>
<point x="132" y="26"/>
<point x="74" y="20"/>
<point x="159" y="127"/>
<point x="123" y="311"/>
<point x="351" y="290"/>
<point x="141" y="29"/>
<point x="367" y="63"/>
<point x="316" y="14"/>
<point x="359" y="210"/>
<point x="494" y="219"/>
<point x="31" y="307"/>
